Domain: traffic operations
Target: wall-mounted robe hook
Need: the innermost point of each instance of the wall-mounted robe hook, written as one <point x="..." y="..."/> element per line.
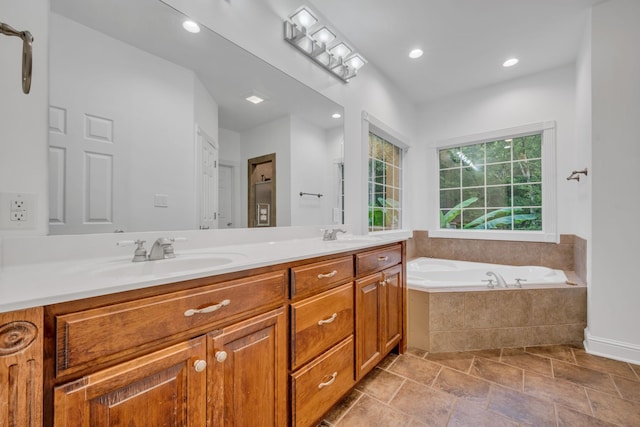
<point x="27" y="54"/>
<point x="576" y="174"/>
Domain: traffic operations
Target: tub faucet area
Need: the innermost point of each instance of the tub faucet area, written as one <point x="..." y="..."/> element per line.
<point x="499" y="279"/>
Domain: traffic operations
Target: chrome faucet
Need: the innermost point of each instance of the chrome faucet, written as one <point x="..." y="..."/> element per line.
<point x="499" y="279"/>
<point x="162" y="249"/>
<point x="332" y="234"/>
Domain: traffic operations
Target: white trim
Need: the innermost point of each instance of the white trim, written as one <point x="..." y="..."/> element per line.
<point x="549" y="231"/>
<point x="612" y="349"/>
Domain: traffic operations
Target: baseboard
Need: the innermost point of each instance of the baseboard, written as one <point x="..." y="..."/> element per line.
<point x="612" y="349"/>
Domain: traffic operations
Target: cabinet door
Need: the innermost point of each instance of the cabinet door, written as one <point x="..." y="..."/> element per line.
<point x="248" y="373"/>
<point x="391" y="308"/>
<point x="368" y="324"/>
<point x="165" y="388"/>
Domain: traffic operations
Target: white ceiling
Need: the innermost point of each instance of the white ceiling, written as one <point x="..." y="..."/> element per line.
<point x="465" y="42"/>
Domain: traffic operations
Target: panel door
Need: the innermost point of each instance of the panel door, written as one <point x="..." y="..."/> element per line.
<point x="208" y="181"/>
<point x="392" y="315"/>
<point x="248" y="373"/>
<point x="226" y="197"/>
<point x="368" y="324"/>
<point x="165" y="388"/>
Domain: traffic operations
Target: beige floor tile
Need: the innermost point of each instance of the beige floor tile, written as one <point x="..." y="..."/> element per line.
<point x="570" y="418"/>
<point x="417" y="352"/>
<point x="488" y="354"/>
<point x="459" y="360"/>
<point x="419" y="370"/>
<point x="342" y="407"/>
<point x="368" y="412"/>
<point x="518" y="357"/>
<point x="462" y="385"/>
<point x="380" y="384"/>
<point x="559" y="352"/>
<point x="556" y="390"/>
<point x="636" y="369"/>
<point x="616" y="367"/>
<point x="467" y="414"/>
<point x="522" y="407"/>
<point x="583" y="376"/>
<point x="614" y="409"/>
<point x="497" y="372"/>
<point x="387" y="361"/>
<point x="629" y="390"/>
<point x="429" y="406"/>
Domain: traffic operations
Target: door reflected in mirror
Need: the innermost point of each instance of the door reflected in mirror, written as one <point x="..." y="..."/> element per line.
<point x="150" y="128"/>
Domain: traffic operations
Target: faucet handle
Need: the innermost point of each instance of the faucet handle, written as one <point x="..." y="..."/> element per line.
<point x="140" y="254"/>
<point x="518" y="284"/>
<point x="490" y="283"/>
<point x="178" y="239"/>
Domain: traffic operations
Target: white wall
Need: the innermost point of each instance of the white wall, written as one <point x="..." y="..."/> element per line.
<point x="158" y="102"/>
<point x="24" y="118"/>
<point x="613" y="290"/>
<point x="309" y="147"/>
<point x="272" y="137"/>
<point x="538" y="98"/>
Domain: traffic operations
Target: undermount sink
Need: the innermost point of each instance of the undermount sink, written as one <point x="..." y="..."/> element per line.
<point x="178" y="265"/>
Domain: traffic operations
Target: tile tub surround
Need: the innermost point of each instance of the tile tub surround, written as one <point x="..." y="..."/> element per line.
<point x="543" y="386"/>
<point x="569" y="255"/>
<point x="476" y="320"/>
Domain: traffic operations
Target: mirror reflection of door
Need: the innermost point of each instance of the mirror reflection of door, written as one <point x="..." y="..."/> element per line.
<point x="226" y="196"/>
<point x="262" y="191"/>
<point x="208" y="181"/>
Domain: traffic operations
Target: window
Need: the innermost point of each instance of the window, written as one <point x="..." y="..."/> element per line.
<point x="498" y="185"/>
<point x="385" y="184"/>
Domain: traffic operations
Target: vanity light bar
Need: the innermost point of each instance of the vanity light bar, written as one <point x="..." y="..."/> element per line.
<point x="320" y="44"/>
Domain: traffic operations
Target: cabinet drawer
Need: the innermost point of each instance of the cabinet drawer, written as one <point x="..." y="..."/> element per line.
<point x="319" y="322"/>
<point x="376" y="260"/>
<point x="320" y="385"/>
<point x="119" y="329"/>
<point x="320" y="275"/>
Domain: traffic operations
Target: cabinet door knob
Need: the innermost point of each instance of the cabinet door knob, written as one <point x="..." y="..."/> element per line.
<point x="329" y="382"/>
<point x="209" y="309"/>
<point x="221" y="356"/>
<point x="327" y="275"/>
<point x="383" y="258"/>
<point x="329" y="320"/>
<point x="200" y="365"/>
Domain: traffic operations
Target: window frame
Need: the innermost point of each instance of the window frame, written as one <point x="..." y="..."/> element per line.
<point x="549" y="185"/>
<point x="377" y="127"/>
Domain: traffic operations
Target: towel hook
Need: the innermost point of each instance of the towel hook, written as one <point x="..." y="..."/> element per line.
<point x="576" y="174"/>
<point x="27" y="53"/>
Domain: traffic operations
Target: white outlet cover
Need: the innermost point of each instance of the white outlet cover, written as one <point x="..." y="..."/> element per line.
<point x="28" y="209"/>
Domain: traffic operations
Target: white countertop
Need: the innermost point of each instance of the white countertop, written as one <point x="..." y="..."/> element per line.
<point x="60" y="279"/>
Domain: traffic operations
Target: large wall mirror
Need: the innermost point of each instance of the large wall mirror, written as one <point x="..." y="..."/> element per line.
<point x="150" y="129"/>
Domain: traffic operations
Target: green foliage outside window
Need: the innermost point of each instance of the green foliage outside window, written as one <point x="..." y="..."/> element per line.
<point x="385" y="175"/>
<point x="495" y="185"/>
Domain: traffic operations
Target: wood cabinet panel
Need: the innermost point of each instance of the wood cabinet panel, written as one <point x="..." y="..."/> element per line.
<point x="85" y="336"/>
<point x="319" y="322"/>
<point x="247" y="373"/>
<point x="319" y="276"/>
<point x="167" y="387"/>
<point x="377" y="260"/>
<point x="392" y="315"/>
<point x="368" y="324"/>
<point x="21" y="368"/>
<point x="316" y="387"/>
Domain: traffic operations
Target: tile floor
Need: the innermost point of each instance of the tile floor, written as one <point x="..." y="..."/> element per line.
<point x="534" y="386"/>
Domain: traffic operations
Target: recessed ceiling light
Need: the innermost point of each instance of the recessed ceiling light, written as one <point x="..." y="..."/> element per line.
<point x="415" y="53"/>
<point x="191" y="26"/>
<point x="510" y="62"/>
<point x="336" y="115"/>
<point x="254" y="99"/>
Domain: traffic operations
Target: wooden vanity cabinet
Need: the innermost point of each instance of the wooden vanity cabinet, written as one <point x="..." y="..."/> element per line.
<point x="21" y="339"/>
<point x="379" y="304"/>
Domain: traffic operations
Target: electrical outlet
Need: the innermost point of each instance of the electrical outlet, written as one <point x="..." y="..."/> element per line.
<point x="17" y="210"/>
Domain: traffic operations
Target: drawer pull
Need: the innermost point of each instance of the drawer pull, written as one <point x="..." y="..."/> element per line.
<point x="383" y="258"/>
<point x="327" y="275"/>
<point x="209" y="309"/>
<point x="328" y="383"/>
<point x="329" y="320"/>
<point x="221" y="356"/>
<point x="200" y="365"/>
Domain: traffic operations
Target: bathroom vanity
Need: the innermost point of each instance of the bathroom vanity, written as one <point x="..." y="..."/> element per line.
<point x="274" y="345"/>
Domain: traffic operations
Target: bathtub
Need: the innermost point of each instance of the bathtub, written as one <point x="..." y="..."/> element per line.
<point x="431" y="274"/>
